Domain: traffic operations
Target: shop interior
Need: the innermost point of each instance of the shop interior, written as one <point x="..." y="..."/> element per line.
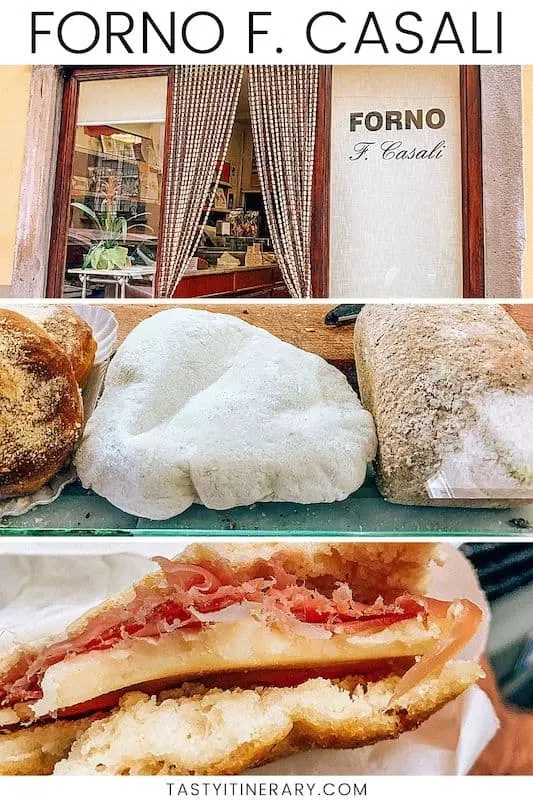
<point x="116" y="192"/>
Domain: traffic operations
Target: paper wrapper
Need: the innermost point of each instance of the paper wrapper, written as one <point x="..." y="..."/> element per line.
<point x="493" y="458"/>
<point x="105" y="328"/>
<point x="43" y="594"/>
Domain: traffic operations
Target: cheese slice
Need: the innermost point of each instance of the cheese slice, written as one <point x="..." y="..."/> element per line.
<point x="246" y="645"/>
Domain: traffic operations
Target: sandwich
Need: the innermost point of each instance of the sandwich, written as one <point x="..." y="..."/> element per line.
<point x="230" y="656"/>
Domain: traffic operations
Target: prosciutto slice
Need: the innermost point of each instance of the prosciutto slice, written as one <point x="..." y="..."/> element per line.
<point x="465" y="617"/>
<point x="194" y="595"/>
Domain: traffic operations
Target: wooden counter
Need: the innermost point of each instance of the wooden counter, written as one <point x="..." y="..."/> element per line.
<point x="265" y="281"/>
<point x="301" y="324"/>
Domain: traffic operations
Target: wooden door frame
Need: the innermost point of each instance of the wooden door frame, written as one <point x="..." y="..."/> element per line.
<point x="320" y="198"/>
<point x="472" y="182"/>
<point x="471" y="178"/>
<point x="67" y="135"/>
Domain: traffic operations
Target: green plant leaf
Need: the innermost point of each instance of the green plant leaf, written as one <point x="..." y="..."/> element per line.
<point x="142" y="225"/>
<point x="114" y="227"/>
<point x="89" y="212"/>
<point x="123" y="228"/>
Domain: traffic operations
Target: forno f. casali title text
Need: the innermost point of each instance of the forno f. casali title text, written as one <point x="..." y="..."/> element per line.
<point x="328" y="32"/>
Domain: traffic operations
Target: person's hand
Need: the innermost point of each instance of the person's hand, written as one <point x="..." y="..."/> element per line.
<point x="511" y="750"/>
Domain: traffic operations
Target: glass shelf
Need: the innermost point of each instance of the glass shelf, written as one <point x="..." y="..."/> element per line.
<point x="79" y="512"/>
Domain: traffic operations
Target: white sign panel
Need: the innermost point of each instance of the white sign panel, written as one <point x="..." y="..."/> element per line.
<point x="396" y="182"/>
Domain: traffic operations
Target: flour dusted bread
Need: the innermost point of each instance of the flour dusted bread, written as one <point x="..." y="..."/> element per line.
<point x="70" y="331"/>
<point x="202" y="407"/>
<point x="210" y="732"/>
<point x="41" y="412"/>
<point x="450" y="388"/>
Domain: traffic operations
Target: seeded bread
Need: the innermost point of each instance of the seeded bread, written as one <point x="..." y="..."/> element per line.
<point x="70" y="331"/>
<point x="41" y="412"/>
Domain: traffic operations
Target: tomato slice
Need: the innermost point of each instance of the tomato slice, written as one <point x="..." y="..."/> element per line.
<point x="369" y="670"/>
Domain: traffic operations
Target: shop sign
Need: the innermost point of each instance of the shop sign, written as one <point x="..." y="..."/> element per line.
<point x="393" y="127"/>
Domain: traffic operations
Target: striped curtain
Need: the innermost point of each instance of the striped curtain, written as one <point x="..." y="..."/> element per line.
<point x="283" y="108"/>
<point x="202" y="116"/>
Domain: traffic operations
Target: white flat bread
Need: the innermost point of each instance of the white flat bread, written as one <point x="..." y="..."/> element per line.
<point x="203" y="407"/>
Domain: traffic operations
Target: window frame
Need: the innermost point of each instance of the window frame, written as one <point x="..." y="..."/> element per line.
<point x="65" y="156"/>
<point x="473" y="245"/>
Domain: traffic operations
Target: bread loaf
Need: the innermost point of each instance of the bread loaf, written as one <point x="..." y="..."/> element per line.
<point x="70" y="331"/>
<point x="204" y="408"/>
<point x="36" y="750"/>
<point x="41" y="412"/>
<point x="450" y="388"/>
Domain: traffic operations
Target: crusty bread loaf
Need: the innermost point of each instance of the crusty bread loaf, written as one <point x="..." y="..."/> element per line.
<point x="450" y="388"/>
<point x="36" y="750"/>
<point x="41" y="412"/>
<point x="214" y="732"/>
<point x="70" y="331"/>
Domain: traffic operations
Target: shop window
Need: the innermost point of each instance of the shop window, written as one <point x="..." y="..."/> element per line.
<point x="110" y="190"/>
<point x="111" y="183"/>
<point x="397" y="188"/>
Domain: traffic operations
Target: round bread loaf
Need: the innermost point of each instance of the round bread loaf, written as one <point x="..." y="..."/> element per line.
<point x="41" y="411"/>
<point x="70" y="331"/>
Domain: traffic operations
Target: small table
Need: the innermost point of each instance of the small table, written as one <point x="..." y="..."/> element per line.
<point x="118" y="277"/>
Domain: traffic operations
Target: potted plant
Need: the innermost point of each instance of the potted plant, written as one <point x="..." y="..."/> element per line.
<point x="111" y="251"/>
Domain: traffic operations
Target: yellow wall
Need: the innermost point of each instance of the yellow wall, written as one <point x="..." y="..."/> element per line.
<point x="14" y="97"/>
<point x="527" y="103"/>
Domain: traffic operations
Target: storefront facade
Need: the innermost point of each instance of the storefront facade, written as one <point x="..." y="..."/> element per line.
<point x="349" y="199"/>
